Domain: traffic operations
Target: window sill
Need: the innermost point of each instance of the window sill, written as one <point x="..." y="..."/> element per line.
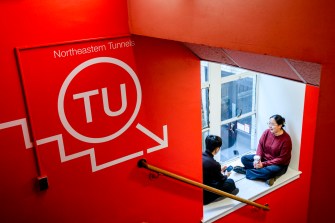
<point x="249" y="189"/>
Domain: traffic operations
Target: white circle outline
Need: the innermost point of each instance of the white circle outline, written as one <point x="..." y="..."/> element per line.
<point x="66" y="84"/>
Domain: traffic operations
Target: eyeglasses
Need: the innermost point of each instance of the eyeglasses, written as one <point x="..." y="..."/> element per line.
<point x="272" y="124"/>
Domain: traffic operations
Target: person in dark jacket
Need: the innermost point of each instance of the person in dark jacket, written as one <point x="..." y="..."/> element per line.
<point x="213" y="174"/>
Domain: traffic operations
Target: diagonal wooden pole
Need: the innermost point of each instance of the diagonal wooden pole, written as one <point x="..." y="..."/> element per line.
<point x="143" y="164"/>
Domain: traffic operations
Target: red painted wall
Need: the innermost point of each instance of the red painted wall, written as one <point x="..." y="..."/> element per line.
<point x="73" y="195"/>
<point x="170" y="79"/>
<point x="31" y="23"/>
<point x="290" y="29"/>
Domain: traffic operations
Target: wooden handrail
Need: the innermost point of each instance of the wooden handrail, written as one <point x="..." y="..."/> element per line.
<point x="143" y="163"/>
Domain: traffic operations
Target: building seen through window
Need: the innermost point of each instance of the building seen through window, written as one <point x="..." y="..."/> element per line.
<point x="229" y="107"/>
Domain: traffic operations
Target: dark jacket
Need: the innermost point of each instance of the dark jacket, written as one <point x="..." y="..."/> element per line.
<point x="212" y="175"/>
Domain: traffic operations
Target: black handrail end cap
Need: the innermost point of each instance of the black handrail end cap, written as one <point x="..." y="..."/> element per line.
<point x="142" y="163"/>
<point x="43" y="183"/>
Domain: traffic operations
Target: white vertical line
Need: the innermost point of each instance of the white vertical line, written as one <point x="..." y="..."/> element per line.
<point x="230" y="57"/>
<point x="295" y="71"/>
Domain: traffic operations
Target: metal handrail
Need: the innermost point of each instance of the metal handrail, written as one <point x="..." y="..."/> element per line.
<point x="143" y="163"/>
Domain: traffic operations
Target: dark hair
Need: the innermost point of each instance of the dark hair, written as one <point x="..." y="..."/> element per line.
<point x="279" y="119"/>
<point x="213" y="142"/>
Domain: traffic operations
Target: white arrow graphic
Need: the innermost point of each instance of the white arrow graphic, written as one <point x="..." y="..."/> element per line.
<point x="163" y="143"/>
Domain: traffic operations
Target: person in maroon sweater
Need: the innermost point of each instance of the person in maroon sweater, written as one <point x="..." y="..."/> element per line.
<point x="274" y="149"/>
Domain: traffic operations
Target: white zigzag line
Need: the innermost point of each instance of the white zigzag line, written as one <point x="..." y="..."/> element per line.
<point x="90" y="152"/>
<point x="24" y="127"/>
<point x="59" y="138"/>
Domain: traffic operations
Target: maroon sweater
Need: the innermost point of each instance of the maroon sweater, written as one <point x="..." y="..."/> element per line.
<point x="274" y="150"/>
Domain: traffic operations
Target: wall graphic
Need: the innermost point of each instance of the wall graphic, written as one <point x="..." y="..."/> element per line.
<point x="85" y="97"/>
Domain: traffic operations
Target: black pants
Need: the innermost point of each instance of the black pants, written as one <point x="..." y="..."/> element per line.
<point x="228" y="186"/>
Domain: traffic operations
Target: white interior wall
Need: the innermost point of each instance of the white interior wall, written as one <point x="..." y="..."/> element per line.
<point x="215" y="111"/>
<point x="286" y="98"/>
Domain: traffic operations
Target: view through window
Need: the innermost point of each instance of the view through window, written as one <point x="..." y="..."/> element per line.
<point x="229" y="107"/>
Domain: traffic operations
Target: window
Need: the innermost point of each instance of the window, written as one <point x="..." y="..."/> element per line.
<point x="205" y="102"/>
<point x="229" y="108"/>
<point x="232" y="98"/>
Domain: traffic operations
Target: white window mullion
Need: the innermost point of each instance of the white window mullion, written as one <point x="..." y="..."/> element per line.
<point x="214" y="70"/>
<point x="254" y="143"/>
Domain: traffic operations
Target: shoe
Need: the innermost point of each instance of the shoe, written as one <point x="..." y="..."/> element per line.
<point x="270" y="181"/>
<point x="219" y="199"/>
<point x="235" y="191"/>
<point x="239" y="169"/>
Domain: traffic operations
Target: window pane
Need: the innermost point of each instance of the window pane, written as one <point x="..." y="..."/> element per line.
<point x="204" y="71"/>
<point x="205" y="107"/>
<point x="227" y="70"/>
<point x="226" y="73"/>
<point x="204" y="135"/>
<point x="237" y="97"/>
<point x="236" y="138"/>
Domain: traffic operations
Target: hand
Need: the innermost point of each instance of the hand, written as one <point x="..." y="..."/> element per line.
<point x="223" y="169"/>
<point x="258" y="165"/>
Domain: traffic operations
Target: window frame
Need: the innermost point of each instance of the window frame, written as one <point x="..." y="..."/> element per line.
<point x="214" y="84"/>
<point x="268" y="87"/>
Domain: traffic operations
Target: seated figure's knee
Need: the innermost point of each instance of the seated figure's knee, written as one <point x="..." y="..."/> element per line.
<point x="246" y="159"/>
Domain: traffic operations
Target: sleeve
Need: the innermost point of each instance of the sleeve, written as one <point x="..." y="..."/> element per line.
<point x="218" y="174"/>
<point x="261" y="143"/>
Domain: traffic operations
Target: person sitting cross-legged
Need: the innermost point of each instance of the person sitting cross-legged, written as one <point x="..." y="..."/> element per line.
<point x="213" y="175"/>
<point x="274" y="149"/>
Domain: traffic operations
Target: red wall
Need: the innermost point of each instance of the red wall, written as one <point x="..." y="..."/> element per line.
<point x="73" y="196"/>
<point x="291" y="29"/>
<point x="170" y="80"/>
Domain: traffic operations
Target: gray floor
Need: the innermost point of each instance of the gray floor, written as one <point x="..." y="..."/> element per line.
<point x="240" y="147"/>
